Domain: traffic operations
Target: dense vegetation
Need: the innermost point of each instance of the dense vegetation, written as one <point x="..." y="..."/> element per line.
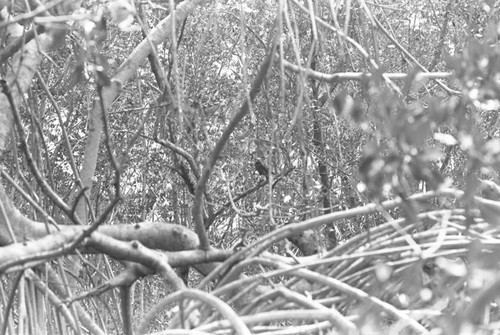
<point x="277" y="167"/>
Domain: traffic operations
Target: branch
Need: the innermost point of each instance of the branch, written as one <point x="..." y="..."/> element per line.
<point x="331" y="218"/>
<point x="355" y="44"/>
<point x="19" y="80"/>
<point x="219" y="305"/>
<point x="235" y="120"/>
<point x="42" y="286"/>
<point x="360" y="76"/>
<point x="6" y="90"/>
<point x="136" y="252"/>
<point x="444" y="30"/>
<point x="59" y="288"/>
<point x="19" y="42"/>
<point x="327" y="219"/>
<point x="201" y="260"/>
<point x="245" y="193"/>
<point x="126" y="309"/>
<point x="178" y="150"/>
<point x="125" y="72"/>
<point x="42" y="243"/>
<point x="403" y="50"/>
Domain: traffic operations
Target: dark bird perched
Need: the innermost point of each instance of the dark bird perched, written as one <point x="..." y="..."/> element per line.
<point x="261" y="169"/>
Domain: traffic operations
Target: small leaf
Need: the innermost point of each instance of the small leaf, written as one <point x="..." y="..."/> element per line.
<point x="120" y="10"/>
<point x="383" y="271"/>
<point x="123" y="13"/>
<point x="445" y="139"/>
<point x="490" y="211"/>
<point x="58" y="34"/>
<point x="77" y="76"/>
<point x="342" y="103"/>
<point x="490" y="190"/>
<point x="456" y="268"/>
<point x="429" y="155"/>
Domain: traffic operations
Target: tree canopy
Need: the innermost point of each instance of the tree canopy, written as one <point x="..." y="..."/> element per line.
<point x="276" y="167"/>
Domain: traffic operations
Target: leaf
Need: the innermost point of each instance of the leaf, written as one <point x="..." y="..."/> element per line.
<point x="490" y="190"/>
<point x="490" y="210"/>
<point x="120" y="10"/>
<point x="445" y="139"/>
<point x="123" y="13"/>
<point x="77" y="76"/>
<point x="491" y="31"/>
<point x="429" y="155"/>
<point x="456" y="267"/>
<point x="57" y="32"/>
<point x="342" y="103"/>
<point x="383" y="272"/>
<point x="128" y="26"/>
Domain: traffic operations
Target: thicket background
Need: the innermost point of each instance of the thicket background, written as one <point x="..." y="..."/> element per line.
<point x="275" y="167"/>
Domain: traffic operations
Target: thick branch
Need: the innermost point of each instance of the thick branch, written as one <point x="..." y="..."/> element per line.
<point x="42" y="245"/>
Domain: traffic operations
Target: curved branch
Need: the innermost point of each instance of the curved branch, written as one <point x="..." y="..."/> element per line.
<point x="136" y="252"/>
<point x="222" y="307"/>
<point x="327" y="219"/>
<point x="178" y="150"/>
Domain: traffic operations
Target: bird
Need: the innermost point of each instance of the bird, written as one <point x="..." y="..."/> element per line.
<point x="261" y="169"/>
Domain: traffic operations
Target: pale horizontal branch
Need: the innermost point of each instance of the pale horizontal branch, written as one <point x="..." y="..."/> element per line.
<point x="358" y="76"/>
